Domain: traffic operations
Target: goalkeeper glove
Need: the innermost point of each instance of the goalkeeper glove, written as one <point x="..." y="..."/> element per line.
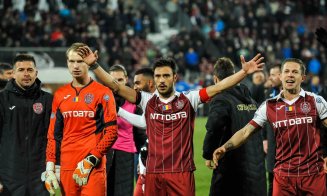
<point x="84" y="168"/>
<point x="51" y="177"/>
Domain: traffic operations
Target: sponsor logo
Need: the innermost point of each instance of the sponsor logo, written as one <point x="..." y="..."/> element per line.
<point x="88" y="98"/>
<point x="247" y="107"/>
<point x="305" y="107"/>
<point x="85" y="113"/>
<point x="290" y="122"/>
<point x="12" y="107"/>
<point x="38" y="108"/>
<point x="280" y="107"/>
<point x="168" y="117"/>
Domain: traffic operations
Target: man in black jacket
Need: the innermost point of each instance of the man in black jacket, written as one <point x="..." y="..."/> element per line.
<point x="229" y="111"/>
<point x="24" y="118"/>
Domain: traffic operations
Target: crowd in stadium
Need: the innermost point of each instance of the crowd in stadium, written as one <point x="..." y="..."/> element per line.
<point x="90" y="137"/>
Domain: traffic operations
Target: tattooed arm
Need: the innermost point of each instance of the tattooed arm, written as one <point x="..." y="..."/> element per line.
<point x="235" y="141"/>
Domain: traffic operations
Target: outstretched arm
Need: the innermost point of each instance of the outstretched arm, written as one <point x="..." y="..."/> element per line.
<point x="91" y="58"/>
<point x="235" y="141"/>
<point x="249" y="67"/>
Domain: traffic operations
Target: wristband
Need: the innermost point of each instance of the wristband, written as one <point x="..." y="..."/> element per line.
<point x="94" y="66"/>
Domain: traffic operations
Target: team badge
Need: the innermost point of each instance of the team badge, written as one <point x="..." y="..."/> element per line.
<point x="38" y="108"/>
<point x="305" y="107"/>
<point x="106" y="97"/>
<point x="318" y="100"/>
<point x="88" y="98"/>
<point x="179" y="104"/>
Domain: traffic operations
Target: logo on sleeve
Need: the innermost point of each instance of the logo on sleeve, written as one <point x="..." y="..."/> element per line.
<point x="88" y="98"/>
<point x="38" y="108"/>
<point x="106" y="98"/>
<point x="318" y="100"/>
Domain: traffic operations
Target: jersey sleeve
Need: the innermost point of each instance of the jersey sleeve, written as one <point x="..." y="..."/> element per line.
<point x="321" y="105"/>
<point x="196" y="97"/>
<point x="134" y="119"/>
<point x="110" y="125"/>
<point x="55" y="132"/>
<point x="143" y="98"/>
<point x="260" y="116"/>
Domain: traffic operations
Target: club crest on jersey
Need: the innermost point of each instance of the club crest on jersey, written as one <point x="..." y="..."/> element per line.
<point x="88" y="98"/>
<point x="179" y="104"/>
<point x="106" y="97"/>
<point x="305" y="107"/>
<point x="38" y="108"/>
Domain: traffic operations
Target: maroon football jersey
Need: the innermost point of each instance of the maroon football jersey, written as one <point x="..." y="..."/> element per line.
<point x="296" y="128"/>
<point x="170" y="128"/>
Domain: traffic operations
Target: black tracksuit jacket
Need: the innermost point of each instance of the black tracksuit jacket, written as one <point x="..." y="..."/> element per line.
<point x="241" y="172"/>
<point x="24" y="121"/>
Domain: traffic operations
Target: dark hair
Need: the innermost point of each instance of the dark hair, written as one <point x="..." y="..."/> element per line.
<point x="24" y="57"/>
<point x="165" y="62"/>
<point x="118" y="68"/>
<point x="5" y="67"/>
<point x="276" y="66"/>
<point x="148" y="72"/>
<point x="294" y="60"/>
<point x="74" y="47"/>
<point x="223" y="68"/>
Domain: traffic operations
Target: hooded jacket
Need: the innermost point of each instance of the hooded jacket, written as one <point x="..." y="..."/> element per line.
<point x="24" y="120"/>
<point x="240" y="171"/>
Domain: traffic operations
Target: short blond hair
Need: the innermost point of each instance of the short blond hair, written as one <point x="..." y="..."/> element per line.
<point x="74" y="47"/>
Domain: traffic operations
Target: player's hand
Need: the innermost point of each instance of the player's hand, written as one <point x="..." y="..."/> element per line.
<point x="89" y="57"/>
<point x="218" y="154"/>
<point x="325" y="164"/>
<point x="210" y="164"/>
<point x="50" y="179"/>
<point x="255" y="64"/>
<point x="321" y="36"/>
<point x="84" y="168"/>
<point x="265" y="146"/>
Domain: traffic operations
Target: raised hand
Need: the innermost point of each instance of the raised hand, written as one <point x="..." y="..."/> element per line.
<point x="321" y="36"/>
<point x="89" y="57"/>
<point x="218" y="154"/>
<point x="255" y="64"/>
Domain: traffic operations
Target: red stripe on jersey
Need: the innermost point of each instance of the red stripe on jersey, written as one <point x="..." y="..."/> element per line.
<point x="253" y="123"/>
<point x="204" y="95"/>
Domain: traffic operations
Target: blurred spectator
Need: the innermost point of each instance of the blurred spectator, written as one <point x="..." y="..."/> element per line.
<point x="258" y="89"/>
<point x="6" y="73"/>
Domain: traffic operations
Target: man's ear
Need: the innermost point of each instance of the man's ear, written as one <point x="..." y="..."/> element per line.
<point x="304" y="77"/>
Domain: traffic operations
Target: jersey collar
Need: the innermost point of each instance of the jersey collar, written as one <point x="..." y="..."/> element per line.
<point x="280" y="95"/>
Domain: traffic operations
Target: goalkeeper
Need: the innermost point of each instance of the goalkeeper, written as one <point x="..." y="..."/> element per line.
<point x="82" y="129"/>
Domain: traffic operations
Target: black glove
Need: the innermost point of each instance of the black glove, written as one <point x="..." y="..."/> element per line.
<point x="321" y="35"/>
<point x="119" y="102"/>
<point x="144" y="152"/>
